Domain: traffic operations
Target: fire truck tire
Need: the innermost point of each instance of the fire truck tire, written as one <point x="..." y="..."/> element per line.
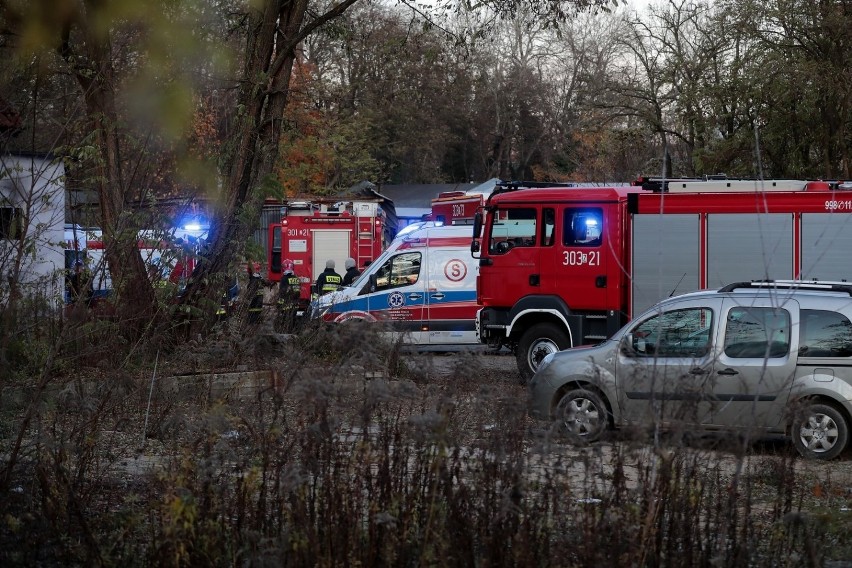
<point x="537" y="342"/>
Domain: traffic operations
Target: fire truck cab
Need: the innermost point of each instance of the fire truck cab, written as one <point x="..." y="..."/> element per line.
<point x="565" y="267"/>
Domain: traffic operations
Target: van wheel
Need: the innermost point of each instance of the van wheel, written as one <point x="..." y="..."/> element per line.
<point x="820" y="432"/>
<point x="582" y="415"/>
<point x="537" y="342"/>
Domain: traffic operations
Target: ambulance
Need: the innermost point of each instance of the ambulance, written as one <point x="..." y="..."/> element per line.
<point x="423" y="286"/>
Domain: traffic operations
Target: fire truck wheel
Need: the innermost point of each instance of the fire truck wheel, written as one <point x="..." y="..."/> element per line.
<point x="820" y="431"/>
<point x="537" y="342"/>
<point x="582" y="416"/>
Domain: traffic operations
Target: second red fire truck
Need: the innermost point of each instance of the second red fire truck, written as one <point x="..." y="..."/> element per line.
<point x="564" y="267"/>
<point x="311" y="232"/>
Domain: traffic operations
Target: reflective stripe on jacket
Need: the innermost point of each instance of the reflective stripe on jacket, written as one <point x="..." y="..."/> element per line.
<point x="332" y="283"/>
<point x="328" y="281"/>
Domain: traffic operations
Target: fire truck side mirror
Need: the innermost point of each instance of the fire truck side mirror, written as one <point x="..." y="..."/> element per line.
<point x="477" y="224"/>
<point x="477" y="230"/>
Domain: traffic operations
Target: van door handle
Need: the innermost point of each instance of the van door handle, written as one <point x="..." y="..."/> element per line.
<point x="437" y="296"/>
<point x="728" y="371"/>
<point x="414" y="296"/>
<point x="534" y="279"/>
<point x="697" y="371"/>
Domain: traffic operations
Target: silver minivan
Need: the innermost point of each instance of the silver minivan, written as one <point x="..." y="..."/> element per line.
<point x="767" y="357"/>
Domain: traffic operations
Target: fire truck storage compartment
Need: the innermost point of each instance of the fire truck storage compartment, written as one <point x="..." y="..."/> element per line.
<point x="330" y="244"/>
<point x="365" y="209"/>
<point x="748" y="246"/>
<point x="666" y="251"/>
<point x="666" y="257"/>
<point x="826" y="246"/>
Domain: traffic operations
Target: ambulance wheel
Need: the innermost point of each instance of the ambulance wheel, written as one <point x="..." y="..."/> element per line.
<point x="537" y="342"/>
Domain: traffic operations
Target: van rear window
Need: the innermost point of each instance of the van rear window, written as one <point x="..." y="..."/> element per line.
<point x="825" y="334"/>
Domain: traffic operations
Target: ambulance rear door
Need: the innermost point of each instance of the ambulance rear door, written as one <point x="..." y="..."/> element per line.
<point x="450" y="310"/>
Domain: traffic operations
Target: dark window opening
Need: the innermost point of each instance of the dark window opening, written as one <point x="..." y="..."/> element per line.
<point x="11" y="223"/>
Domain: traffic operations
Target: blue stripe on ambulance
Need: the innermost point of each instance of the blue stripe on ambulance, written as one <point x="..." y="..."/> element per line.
<point x="380" y="301"/>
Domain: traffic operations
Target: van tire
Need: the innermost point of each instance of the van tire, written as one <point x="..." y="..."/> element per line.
<point x="582" y="416"/>
<point x="539" y="340"/>
<point x="820" y="431"/>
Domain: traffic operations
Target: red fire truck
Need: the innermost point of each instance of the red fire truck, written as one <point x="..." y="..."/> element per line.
<point x="460" y="207"/>
<point x="565" y="267"/>
<point x="455" y="207"/>
<point x="312" y="232"/>
<point x="168" y="254"/>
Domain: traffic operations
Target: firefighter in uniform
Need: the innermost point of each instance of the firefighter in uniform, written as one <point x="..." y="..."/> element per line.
<point x="80" y="282"/>
<point x="289" y="293"/>
<point x="329" y="280"/>
<point x="228" y="298"/>
<point x="352" y="272"/>
<point x="255" y="292"/>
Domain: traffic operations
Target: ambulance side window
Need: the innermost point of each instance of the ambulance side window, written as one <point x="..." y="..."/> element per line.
<point x="400" y="270"/>
<point x="582" y="227"/>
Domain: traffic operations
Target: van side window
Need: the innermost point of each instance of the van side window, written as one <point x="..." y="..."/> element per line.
<point x="514" y="227"/>
<point x="825" y="334"/>
<point x="582" y="228"/>
<point x="678" y="333"/>
<point x="400" y="270"/>
<point x="757" y="333"/>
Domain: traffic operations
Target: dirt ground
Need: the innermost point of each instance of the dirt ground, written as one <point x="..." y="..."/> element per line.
<point x="502" y="366"/>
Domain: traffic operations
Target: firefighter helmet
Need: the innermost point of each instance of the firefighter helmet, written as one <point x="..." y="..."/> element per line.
<point x="288" y="266"/>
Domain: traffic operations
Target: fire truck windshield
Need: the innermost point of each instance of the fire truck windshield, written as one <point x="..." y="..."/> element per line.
<point x="512" y="227"/>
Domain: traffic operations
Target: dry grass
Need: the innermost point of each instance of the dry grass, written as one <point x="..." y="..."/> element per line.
<point x="359" y="454"/>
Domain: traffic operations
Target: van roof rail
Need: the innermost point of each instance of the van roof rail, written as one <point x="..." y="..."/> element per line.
<point x="831" y="286"/>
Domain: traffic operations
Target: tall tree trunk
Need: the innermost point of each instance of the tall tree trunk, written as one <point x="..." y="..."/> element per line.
<point x="274" y="32"/>
<point x="133" y="294"/>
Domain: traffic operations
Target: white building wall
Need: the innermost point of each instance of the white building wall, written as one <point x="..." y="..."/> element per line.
<point x="34" y="188"/>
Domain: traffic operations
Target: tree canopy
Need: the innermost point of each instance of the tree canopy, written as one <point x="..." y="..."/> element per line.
<point x="237" y="101"/>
